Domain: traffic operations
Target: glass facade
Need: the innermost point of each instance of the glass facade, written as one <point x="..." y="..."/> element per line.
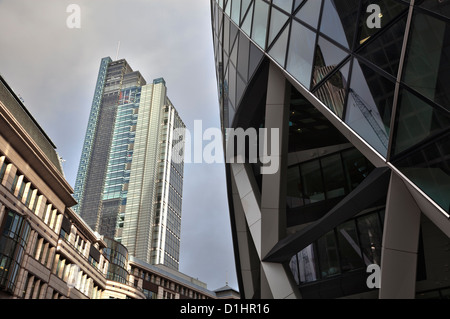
<point x="117" y="254"/>
<point x="387" y="83"/>
<point x="14" y="234"/>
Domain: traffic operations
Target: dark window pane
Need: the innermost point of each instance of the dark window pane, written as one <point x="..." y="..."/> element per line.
<point x="429" y="168"/>
<point x="312" y="182"/>
<point x="294" y="190"/>
<point x="349" y="247"/>
<point x="416" y="121"/>
<point x="427" y="64"/>
<point x="384" y="50"/>
<point x="328" y="255"/>
<point x="440" y="7"/>
<point x="369" y="106"/>
<point x="356" y="168"/>
<point x="370" y="233"/>
<point x="333" y="175"/>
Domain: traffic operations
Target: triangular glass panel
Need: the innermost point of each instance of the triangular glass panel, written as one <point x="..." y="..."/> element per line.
<point x="255" y="58"/>
<point x="233" y="55"/>
<point x="286" y="5"/>
<point x="247" y="24"/>
<point x="333" y="91"/>
<point x="372" y="22"/>
<point x="244" y="6"/>
<point x="339" y="19"/>
<point x="385" y="49"/>
<point x="236" y="11"/>
<point x="228" y="8"/>
<point x="327" y="57"/>
<point x="233" y="33"/>
<point x="310" y="12"/>
<point x="240" y="88"/>
<point x="277" y="21"/>
<point x="243" y="56"/>
<point x="278" y="50"/>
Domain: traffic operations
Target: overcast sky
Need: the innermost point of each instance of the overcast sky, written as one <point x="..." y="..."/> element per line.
<point x="54" y="69"/>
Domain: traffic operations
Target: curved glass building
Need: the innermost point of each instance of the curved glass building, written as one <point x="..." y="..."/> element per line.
<point x="357" y="92"/>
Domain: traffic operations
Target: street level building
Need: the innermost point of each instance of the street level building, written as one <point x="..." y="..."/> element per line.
<point x="358" y="91"/>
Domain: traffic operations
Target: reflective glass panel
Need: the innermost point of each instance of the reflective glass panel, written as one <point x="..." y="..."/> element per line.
<point x="332" y="92"/>
<point x="260" y="20"/>
<point x="307" y="267"/>
<point x="236" y="11"/>
<point x="247" y="24"/>
<point x="339" y="20"/>
<point x="286" y="5"/>
<point x="301" y="53"/>
<point x="427" y="66"/>
<point x="328" y="56"/>
<point x="310" y="12"/>
<point x="277" y="21"/>
<point x="244" y="7"/>
<point x="278" y="50"/>
<point x="369" y="106"/>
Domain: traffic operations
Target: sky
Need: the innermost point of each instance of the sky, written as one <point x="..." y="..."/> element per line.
<point x="54" y="69"/>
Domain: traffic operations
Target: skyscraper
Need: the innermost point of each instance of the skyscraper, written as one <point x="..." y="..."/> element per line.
<point x="127" y="186"/>
<point x="358" y="92"/>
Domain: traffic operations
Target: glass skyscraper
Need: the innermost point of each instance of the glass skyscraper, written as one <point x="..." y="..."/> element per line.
<point x="358" y="92"/>
<point x="127" y="187"/>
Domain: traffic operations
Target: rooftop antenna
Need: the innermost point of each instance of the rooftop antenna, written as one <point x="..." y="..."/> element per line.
<point x="118" y="48"/>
